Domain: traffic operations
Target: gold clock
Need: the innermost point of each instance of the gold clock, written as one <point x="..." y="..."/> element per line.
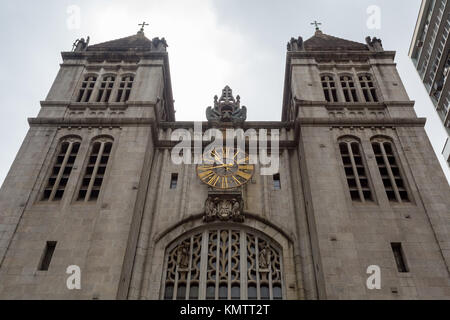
<point x="227" y="168"/>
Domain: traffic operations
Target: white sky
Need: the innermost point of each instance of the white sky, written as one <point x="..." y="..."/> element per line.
<point x="211" y="44"/>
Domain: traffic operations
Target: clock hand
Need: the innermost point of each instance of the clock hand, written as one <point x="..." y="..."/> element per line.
<point x="221" y="166"/>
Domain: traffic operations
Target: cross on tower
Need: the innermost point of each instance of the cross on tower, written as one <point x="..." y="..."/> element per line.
<point x="316" y="24"/>
<point x="143" y="24"/>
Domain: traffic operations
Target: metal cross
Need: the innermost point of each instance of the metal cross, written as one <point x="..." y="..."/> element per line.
<point x="143" y="24"/>
<point x="316" y="24"/>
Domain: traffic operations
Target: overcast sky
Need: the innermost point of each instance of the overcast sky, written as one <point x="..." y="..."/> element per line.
<point x="211" y="44"/>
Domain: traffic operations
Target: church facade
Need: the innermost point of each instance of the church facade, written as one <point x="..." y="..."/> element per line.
<point x="358" y="207"/>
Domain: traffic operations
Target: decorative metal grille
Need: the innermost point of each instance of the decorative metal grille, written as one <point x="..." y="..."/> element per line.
<point x="223" y="264"/>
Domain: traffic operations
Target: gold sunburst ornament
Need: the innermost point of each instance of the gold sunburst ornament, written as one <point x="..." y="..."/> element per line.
<point x="227" y="168"/>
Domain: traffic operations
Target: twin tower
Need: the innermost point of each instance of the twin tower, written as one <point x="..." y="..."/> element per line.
<point x="94" y="186"/>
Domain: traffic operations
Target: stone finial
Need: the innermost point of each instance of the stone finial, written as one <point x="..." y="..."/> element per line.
<point x="374" y="44"/>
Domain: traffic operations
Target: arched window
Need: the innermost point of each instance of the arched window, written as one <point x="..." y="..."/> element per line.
<point x="329" y="88"/>
<point x="223" y="263"/>
<point x="389" y="170"/>
<point x="368" y="88"/>
<point x="59" y="176"/>
<point x="355" y="169"/>
<point x="348" y="89"/>
<point x="95" y="169"/>
<point x="87" y="87"/>
<point x="106" y="88"/>
<point x="126" y="83"/>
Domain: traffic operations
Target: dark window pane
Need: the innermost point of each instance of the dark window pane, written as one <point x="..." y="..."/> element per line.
<point x="252" y="292"/>
<point x="193" y="293"/>
<point x="223" y="292"/>
<point x="168" y="293"/>
<point x="235" y="292"/>
<point x="181" y="292"/>
<point x="47" y="256"/>
<point x="277" y="294"/>
<point x="210" y="292"/>
<point x="265" y="295"/>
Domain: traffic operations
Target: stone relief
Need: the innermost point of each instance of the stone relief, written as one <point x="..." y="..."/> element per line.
<point x="224" y="209"/>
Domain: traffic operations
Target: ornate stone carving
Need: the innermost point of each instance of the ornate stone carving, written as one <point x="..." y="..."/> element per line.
<point x="227" y="109"/>
<point x="224" y="209"/>
<point x="295" y="44"/>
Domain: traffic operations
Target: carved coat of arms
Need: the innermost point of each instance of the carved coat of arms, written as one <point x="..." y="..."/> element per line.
<point x="224" y="209"/>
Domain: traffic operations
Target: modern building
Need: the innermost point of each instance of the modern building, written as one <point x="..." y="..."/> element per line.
<point x="95" y="187"/>
<point x="430" y="53"/>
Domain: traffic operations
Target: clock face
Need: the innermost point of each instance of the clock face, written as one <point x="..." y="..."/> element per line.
<point x="228" y="168"/>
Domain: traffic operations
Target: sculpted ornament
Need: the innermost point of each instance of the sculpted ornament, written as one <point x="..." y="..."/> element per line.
<point x="227" y="108"/>
<point x="224" y="209"/>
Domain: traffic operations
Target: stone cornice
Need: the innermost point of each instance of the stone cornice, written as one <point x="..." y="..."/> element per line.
<point x="244" y="125"/>
<point x="90" y="122"/>
<point x="97" y="105"/>
<point x="97" y="121"/>
<point x="347" y="55"/>
<point x="303" y="103"/>
<point x="343" y="122"/>
<point x="133" y="56"/>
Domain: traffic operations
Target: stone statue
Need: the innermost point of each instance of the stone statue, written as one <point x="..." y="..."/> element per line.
<point x="80" y="44"/>
<point x="264" y="258"/>
<point x="374" y="44"/>
<point x="210" y="209"/>
<point x="237" y="211"/>
<point x="295" y="44"/>
<point x="183" y="256"/>
<point x="159" y="44"/>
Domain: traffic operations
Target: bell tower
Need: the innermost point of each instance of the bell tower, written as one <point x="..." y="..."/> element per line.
<point x="370" y="177"/>
<point x="92" y="137"/>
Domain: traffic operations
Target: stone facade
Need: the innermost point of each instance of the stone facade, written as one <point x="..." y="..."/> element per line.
<point x="121" y="240"/>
